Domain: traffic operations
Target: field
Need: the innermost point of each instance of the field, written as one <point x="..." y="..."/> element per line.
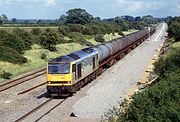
<point x="28" y="29"/>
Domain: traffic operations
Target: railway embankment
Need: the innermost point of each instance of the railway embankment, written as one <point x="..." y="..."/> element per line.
<point x="159" y="101"/>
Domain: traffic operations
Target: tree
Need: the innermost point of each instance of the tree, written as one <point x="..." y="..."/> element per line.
<point x="174" y="30"/>
<point x="138" y="18"/>
<point x="128" y="18"/>
<point x="49" y="39"/>
<point x="1" y="20"/>
<point x="78" y="16"/>
<point x="14" y="20"/>
<point x="123" y="25"/>
<point x="149" y="19"/>
<point x="62" y="19"/>
<point x="5" y="18"/>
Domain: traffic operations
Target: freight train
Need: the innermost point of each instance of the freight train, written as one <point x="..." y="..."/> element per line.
<point x="69" y="73"/>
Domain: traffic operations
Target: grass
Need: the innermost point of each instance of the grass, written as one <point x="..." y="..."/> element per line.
<point x="176" y="45"/>
<point x="108" y="37"/>
<point x="129" y="31"/>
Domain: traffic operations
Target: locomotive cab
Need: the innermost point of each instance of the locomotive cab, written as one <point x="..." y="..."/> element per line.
<point x="59" y="75"/>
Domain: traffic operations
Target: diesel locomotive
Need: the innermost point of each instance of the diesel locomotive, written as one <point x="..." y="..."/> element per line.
<point x="68" y="73"/>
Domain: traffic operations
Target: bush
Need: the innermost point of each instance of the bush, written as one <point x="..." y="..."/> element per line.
<point x="18" y="40"/>
<point x="36" y="31"/>
<point x="6" y="75"/>
<point x="99" y="38"/>
<point x="168" y="62"/>
<point x="174" y="30"/>
<point x="49" y="39"/>
<point x="25" y="36"/>
<point x="12" y="56"/>
<point x="43" y="56"/>
<point x="75" y="35"/>
<point x="64" y="30"/>
<point x="75" y="28"/>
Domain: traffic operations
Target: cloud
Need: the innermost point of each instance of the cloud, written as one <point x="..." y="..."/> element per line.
<point x="50" y="3"/>
<point x="176" y="8"/>
<point x="138" y="5"/>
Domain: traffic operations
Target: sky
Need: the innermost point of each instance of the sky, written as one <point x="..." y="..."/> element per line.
<point x="53" y="9"/>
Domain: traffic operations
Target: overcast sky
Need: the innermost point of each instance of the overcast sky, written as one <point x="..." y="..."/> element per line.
<point x="52" y="9"/>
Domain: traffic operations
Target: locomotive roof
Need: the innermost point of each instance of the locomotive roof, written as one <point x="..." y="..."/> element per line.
<point x="62" y="59"/>
<point x="74" y="56"/>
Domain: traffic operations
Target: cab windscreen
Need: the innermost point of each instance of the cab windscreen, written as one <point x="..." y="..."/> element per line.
<point x="59" y="68"/>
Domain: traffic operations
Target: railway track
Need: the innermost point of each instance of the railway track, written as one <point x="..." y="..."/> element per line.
<point x="25" y="91"/>
<point x="39" y="107"/>
<point x="21" y="80"/>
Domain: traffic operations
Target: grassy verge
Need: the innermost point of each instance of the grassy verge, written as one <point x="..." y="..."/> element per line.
<point x="129" y="31"/>
<point x="160" y="102"/>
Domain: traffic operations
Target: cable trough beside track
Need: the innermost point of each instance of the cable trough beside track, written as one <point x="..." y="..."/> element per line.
<point x="39" y="107"/>
<point x="21" y="80"/>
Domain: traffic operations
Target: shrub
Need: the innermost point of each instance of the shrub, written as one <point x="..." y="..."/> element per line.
<point x="12" y="56"/>
<point x="49" y="39"/>
<point x="17" y="40"/>
<point x="36" y="31"/>
<point x="75" y="35"/>
<point x="174" y="30"/>
<point x="99" y="38"/>
<point x="43" y="56"/>
<point x="6" y="75"/>
<point x="121" y="33"/>
<point x="64" y="30"/>
<point x="75" y="28"/>
<point x="82" y="41"/>
<point x="168" y="62"/>
<point x="25" y="36"/>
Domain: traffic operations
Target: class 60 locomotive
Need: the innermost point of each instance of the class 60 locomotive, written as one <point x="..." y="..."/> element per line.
<point x="67" y="74"/>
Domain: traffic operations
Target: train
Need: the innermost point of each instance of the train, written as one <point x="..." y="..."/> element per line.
<point x="68" y="73"/>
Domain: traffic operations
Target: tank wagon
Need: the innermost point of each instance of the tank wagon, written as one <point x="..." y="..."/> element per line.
<point x="68" y="73"/>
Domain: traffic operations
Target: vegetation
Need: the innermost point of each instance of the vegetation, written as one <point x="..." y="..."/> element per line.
<point x="49" y="39"/>
<point x="99" y="38"/>
<point x="18" y="40"/>
<point x="5" y="75"/>
<point x="174" y="28"/>
<point x="10" y="55"/>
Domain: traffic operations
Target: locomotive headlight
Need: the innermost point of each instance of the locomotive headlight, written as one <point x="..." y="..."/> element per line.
<point x="69" y="82"/>
<point x="49" y="82"/>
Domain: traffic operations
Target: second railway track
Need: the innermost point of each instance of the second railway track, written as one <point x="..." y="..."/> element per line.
<point x="39" y="107"/>
<point x="21" y="80"/>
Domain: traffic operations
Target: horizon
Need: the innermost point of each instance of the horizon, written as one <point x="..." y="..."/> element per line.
<point x="53" y="9"/>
